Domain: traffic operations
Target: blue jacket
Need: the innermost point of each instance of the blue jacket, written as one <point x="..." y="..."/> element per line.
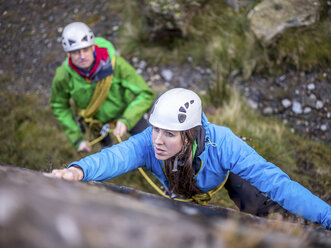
<point x="224" y="152"/>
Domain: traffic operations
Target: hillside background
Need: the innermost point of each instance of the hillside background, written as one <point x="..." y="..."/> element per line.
<point x="275" y="95"/>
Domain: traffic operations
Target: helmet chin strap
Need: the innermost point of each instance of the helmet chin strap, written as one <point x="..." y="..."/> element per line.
<point x="175" y="166"/>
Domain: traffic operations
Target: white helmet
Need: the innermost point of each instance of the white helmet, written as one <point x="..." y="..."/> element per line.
<point x="177" y="110"/>
<point x="77" y="35"/>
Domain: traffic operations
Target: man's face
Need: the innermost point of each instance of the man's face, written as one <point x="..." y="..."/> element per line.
<point x="82" y="58"/>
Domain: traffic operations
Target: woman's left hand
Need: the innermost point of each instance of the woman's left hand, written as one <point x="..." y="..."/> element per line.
<point x="71" y="174"/>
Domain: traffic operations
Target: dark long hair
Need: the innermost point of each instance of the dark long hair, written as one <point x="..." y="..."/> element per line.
<point x="182" y="181"/>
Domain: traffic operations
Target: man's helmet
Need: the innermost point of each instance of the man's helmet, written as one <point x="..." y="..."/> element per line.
<point x="77" y="35"/>
<point x="177" y="110"/>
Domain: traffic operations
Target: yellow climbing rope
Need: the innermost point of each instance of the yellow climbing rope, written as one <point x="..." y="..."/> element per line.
<point x="98" y="139"/>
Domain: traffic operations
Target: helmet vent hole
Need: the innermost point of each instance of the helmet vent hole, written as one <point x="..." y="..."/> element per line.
<point x="187" y="105"/>
<point x="181" y="118"/>
<point x="71" y="42"/>
<point x="181" y="109"/>
<point x="84" y="38"/>
<point x="192" y="101"/>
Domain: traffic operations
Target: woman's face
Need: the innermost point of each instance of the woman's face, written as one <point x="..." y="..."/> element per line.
<point x="166" y="143"/>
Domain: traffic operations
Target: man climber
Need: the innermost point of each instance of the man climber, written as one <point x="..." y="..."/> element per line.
<point x="104" y="88"/>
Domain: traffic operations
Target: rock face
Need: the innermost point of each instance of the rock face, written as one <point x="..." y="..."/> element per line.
<point x="169" y="18"/>
<point x="272" y="17"/>
<point x="236" y="4"/>
<point x="39" y="211"/>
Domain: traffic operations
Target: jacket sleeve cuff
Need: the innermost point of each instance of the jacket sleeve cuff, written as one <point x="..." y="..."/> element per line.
<point x="126" y="122"/>
<point x="76" y="166"/>
<point x="77" y="142"/>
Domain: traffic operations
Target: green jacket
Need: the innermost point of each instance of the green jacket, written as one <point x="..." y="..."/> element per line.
<point x="128" y="99"/>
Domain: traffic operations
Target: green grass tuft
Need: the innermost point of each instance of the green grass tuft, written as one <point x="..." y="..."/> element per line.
<point x="30" y="135"/>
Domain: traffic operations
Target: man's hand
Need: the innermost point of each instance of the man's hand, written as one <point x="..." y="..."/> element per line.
<point x="72" y="174"/>
<point x="84" y="147"/>
<point x="120" y="129"/>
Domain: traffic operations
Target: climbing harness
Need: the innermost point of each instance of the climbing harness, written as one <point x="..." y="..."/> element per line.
<point x="202" y="198"/>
